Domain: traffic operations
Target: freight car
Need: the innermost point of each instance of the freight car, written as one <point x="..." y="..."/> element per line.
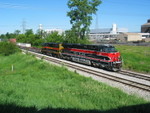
<point x="103" y="56"/>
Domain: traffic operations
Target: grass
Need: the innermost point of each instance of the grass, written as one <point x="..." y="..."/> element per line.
<point x="38" y="87"/>
<point x="136" y="58"/>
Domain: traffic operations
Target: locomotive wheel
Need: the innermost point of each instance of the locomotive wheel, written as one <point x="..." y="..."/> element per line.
<point x="93" y="64"/>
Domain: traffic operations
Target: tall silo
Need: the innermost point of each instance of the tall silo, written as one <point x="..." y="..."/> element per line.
<point x="114" y="29"/>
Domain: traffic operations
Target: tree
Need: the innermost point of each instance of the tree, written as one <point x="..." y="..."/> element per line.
<point x="41" y="33"/>
<point x="21" y="38"/>
<point x="17" y="32"/>
<point x="70" y="37"/>
<point x="81" y="15"/>
<point x="9" y="35"/>
<point x="54" y="37"/>
<point x="2" y="36"/>
<point x="29" y="32"/>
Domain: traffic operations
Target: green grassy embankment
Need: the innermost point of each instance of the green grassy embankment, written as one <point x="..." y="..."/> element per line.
<point x="136" y="58"/>
<point x="38" y="87"/>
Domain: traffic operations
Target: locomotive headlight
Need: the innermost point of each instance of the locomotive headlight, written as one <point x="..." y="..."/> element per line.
<point x="117" y="62"/>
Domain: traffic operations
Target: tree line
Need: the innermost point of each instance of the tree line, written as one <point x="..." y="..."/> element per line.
<point x="36" y="39"/>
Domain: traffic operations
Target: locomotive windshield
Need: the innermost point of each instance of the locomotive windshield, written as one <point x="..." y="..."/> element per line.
<point x="109" y="49"/>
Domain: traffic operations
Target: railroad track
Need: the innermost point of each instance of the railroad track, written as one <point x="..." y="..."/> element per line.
<point x="89" y="70"/>
<point x="136" y="75"/>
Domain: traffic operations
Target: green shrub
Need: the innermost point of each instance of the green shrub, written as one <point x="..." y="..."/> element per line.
<point x="7" y="48"/>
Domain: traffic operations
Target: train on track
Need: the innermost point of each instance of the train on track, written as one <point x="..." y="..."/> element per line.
<point x="102" y="56"/>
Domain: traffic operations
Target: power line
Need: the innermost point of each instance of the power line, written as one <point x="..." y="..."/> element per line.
<point x="129" y="3"/>
<point x="126" y="14"/>
<point x="23" y="26"/>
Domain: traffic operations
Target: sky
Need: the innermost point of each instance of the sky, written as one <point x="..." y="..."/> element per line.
<point x="14" y="14"/>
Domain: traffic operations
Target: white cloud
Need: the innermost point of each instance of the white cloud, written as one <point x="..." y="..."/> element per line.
<point x="13" y="6"/>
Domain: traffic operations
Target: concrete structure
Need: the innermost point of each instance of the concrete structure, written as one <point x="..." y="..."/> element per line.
<point x="24" y="44"/>
<point x="121" y="34"/>
<point x="145" y="31"/>
<point x="40" y="27"/>
<point x="125" y="37"/>
<point x="106" y="33"/>
<point x="114" y="29"/>
<point x="145" y="35"/>
<point x="145" y="28"/>
<point x="48" y="31"/>
<point x="147" y="39"/>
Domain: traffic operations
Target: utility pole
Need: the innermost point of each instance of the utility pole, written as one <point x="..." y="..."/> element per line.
<point x="23" y="26"/>
<point x="97" y="23"/>
<point x="97" y="27"/>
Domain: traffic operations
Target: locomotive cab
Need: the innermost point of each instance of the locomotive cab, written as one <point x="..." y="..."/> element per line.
<point x="112" y="57"/>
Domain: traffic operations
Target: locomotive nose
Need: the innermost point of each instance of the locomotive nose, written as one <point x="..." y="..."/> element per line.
<point x="116" y="56"/>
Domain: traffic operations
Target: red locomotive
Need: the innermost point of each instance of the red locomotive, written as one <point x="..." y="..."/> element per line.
<point x="104" y="56"/>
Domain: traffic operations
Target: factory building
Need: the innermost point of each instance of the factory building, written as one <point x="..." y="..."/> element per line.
<point x="49" y="31"/>
<point x="145" y="28"/>
<point x="128" y="37"/>
<point x="106" y="33"/>
<point x="120" y="34"/>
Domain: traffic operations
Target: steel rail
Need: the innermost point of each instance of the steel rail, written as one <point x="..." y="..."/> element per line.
<point x="136" y="75"/>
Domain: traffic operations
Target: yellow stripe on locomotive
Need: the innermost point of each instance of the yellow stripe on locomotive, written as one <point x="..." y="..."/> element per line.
<point x="52" y="49"/>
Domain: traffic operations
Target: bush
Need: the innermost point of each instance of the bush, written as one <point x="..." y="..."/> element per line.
<point x="7" y="48"/>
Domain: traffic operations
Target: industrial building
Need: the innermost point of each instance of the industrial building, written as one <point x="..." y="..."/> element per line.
<point x="145" y="31"/>
<point x="128" y="37"/>
<point x="49" y="31"/>
<point x="106" y="33"/>
<point x="120" y="34"/>
<point x="145" y="28"/>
